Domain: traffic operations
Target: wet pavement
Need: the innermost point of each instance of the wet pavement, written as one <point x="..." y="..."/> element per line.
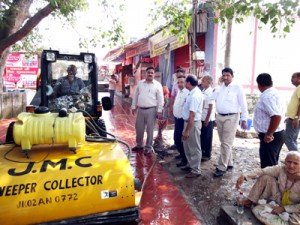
<point x="162" y="202"/>
<point x="168" y="197"/>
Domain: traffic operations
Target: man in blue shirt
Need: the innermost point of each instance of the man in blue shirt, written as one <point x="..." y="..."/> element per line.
<point x="70" y="84"/>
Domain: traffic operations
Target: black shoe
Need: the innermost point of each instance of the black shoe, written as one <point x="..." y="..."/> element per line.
<point x="181" y="164"/>
<point x="192" y="175"/>
<point x="229" y="168"/>
<point x="173" y="147"/>
<point x="219" y="173"/>
<point x="204" y="158"/>
<point x="187" y="169"/>
<point x="178" y="157"/>
<point x="147" y="151"/>
<point x="136" y="148"/>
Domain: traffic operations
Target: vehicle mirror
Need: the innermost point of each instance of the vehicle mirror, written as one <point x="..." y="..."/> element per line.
<point x="49" y="90"/>
<point x="106" y="103"/>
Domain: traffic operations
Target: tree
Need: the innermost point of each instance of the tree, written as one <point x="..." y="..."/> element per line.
<point x="19" y="18"/>
<point x="279" y="15"/>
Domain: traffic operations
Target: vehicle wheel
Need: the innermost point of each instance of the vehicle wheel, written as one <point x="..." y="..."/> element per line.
<point x="9" y="134"/>
<point x="101" y="124"/>
<point x="137" y="184"/>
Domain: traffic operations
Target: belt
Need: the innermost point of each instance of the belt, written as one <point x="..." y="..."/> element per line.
<point x="277" y="132"/>
<point x="145" y="108"/>
<point x="226" y="114"/>
<point x="178" y="118"/>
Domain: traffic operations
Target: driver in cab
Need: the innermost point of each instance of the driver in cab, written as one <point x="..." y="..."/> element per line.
<point x="68" y="85"/>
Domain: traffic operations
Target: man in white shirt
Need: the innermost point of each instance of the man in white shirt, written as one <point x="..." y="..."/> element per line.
<point x="230" y="102"/>
<point x="191" y="114"/>
<point x="178" y="120"/>
<point x="112" y="83"/>
<point x="179" y="72"/>
<point x="268" y="121"/>
<point x="148" y="101"/>
<point x="207" y="118"/>
<point x="174" y="91"/>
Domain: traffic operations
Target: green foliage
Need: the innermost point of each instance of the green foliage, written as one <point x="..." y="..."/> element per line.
<point x="278" y="15"/>
<point x="109" y="31"/>
<point x="174" y="16"/>
<point x="30" y="44"/>
<point x="69" y="13"/>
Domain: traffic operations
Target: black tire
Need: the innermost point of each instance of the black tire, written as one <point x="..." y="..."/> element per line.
<point x="9" y="139"/>
<point x="137" y="184"/>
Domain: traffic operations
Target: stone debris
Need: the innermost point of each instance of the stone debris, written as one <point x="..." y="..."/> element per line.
<point x="205" y="194"/>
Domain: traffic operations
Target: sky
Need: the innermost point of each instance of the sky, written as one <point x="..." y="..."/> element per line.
<point x="134" y="20"/>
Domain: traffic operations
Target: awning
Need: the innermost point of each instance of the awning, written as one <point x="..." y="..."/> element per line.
<point x="114" y="55"/>
<point x="138" y="48"/>
<point x="159" y="42"/>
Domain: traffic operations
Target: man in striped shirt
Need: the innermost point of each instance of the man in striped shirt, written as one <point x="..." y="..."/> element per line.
<point x="268" y="121"/>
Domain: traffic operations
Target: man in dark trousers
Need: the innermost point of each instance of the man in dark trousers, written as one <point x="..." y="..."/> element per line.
<point x="180" y="99"/>
<point x="208" y="118"/>
<point x="268" y="121"/>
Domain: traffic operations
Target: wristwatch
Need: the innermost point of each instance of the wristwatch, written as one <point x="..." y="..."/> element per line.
<point x="269" y="136"/>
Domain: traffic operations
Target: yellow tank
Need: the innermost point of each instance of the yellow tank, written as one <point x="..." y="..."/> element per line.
<point x="48" y="128"/>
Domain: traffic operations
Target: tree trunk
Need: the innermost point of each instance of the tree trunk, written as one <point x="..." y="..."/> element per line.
<point x="16" y="33"/>
<point x="15" y="30"/>
<point x="3" y="59"/>
<point x="228" y="44"/>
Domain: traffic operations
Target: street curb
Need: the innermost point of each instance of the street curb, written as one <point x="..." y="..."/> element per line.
<point x="229" y="216"/>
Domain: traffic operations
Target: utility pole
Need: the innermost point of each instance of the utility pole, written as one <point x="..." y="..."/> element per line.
<point x="194" y="37"/>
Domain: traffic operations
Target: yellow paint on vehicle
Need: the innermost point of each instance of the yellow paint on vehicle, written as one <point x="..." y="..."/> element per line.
<point x="55" y="184"/>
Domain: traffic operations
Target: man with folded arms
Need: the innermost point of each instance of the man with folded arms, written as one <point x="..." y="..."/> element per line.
<point x="148" y="101"/>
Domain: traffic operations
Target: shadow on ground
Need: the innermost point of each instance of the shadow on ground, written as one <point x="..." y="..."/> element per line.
<point x="207" y="194"/>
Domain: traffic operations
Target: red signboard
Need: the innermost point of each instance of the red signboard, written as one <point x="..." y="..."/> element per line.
<point x="21" y="70"/>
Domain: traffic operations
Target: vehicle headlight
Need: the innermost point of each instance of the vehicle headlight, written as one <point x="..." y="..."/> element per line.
<point x="50" y="56"/>
<point x="88" y="58"/>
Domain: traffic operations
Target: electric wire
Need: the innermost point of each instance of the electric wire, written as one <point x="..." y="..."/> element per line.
<point x="99" y="138"/>
<point x="18" y="161"/>
<point x="115" y="139"/>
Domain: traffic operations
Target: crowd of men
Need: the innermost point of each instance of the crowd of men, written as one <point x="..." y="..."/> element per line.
<point x="197" y="110"/>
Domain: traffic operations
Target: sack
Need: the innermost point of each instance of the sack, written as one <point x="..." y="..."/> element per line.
<point x="263" y="214"/>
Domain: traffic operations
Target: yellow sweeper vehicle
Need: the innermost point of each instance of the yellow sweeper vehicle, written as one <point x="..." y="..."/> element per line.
<point x="59" y="165"/>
